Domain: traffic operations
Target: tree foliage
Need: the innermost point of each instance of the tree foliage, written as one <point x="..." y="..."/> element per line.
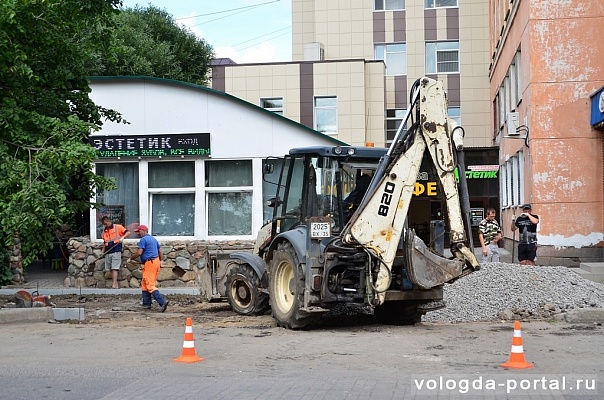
<point x="150" y="43"/>
<point x="46" y="115"/>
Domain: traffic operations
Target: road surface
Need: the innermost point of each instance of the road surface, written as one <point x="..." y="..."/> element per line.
<point x="131" y="357"/>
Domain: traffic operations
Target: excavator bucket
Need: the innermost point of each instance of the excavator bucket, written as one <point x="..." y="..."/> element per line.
<point x="427" y="269"/>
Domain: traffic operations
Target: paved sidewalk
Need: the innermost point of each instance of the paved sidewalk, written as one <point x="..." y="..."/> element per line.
<point x="50" y="282"/>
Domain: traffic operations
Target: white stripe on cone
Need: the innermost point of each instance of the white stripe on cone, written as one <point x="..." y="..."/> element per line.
<point x="517" y="349"/>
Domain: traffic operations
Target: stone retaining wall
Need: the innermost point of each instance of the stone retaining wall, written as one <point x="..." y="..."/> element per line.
<point x="86" y="270"/>
<point x="16" y="261"/>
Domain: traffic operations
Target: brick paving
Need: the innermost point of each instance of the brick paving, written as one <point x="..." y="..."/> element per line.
<point x="40" y="276"/>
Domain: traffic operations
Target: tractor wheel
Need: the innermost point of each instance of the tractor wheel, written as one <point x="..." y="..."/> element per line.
<point x="397" y="313"/>
<point x="286" y="288"/>
<point x="243" y="291"/>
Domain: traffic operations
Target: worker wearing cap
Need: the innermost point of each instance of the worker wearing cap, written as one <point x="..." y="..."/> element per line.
<point x="151" y="255"/>
<point x="527" y="243"/>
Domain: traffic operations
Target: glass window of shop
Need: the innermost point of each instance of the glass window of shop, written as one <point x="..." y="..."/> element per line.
<point x="188" y="199"/>
<point x="172" y="198"/>
<point x="229" y="197"/>
<point x="125" y="197"/>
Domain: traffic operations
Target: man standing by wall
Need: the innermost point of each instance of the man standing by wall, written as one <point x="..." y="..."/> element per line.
<point x="113" y="236"/>
<point x="527" y="242"/>
<point x="489" y="234"/>
<point x="151" y="255"/>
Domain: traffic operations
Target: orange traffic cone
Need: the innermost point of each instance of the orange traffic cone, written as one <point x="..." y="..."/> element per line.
<point x="188" y="347"/>
<point x="517" y="355"/>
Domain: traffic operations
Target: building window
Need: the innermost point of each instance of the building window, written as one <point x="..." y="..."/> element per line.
<point x="513" y="86"/>
<point x="441" y="3"/>
<point x="274" y="104"/>
<point x="394" y="56"/>
<point x="517" y="78"/>
<point x="172" y="198"/>
<point x="229" y="189"/>
<point x="186" y="199"/>
<point x="503" y="182"/>
<point x="521" y="177"/>
<point x="509" y="183"/>
<point x="126" y="194"/>
<point x="394" y="118"/>
<point x="515" y="181"/>
<point x="496" y="115"/>
<point x="455" y="114"/>
<point x="442" y="57"/>
<point x="512" y="181"/>
<point x="381" y="5"/>
<point x="508" y="95"/>
<point x="326" y="114"/>
<point x="501" y="98"/>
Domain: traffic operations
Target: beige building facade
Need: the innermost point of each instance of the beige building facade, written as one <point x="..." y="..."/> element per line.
<point x="367" y="54"/>
<point x="443" y="39"/>
<point x="547" y="62"/>
<point x="349" y="93"/>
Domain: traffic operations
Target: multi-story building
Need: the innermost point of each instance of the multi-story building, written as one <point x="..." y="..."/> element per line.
<point x="546" y="68"/>
<point x="354" y="63"/>
<point x="445" y="39"/>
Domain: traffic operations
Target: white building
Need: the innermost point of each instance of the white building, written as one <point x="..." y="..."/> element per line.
<point x="189" y="162"/>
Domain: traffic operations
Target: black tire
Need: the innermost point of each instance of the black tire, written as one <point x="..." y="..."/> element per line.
<point x="286" y="288"/>
<point x="397" y="313"/>
<point x="243" y="291"/>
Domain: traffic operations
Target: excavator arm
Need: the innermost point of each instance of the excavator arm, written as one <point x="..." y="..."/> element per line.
<point x="379" y="222"/>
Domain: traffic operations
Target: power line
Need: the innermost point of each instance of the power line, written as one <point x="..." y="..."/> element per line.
<point x="226" y="16"/>
<point x="224" y="11"/>
<point x="258" y="37"/>
<point x="247" y="47"/>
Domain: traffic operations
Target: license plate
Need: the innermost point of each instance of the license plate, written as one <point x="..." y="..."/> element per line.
<point x="320" y="229"/>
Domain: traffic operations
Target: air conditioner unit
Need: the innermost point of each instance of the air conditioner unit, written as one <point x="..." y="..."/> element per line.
<point x="314" y="51"/>
<point x="513" y="122"/>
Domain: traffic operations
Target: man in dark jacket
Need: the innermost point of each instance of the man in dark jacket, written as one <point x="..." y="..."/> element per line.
<point x="527" y="243"/>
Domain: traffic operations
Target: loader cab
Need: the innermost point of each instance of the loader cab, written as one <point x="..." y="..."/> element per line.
<point x="321" y="182"/>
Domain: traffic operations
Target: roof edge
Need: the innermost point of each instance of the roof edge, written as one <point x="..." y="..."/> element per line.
<point x="216" y="92"/>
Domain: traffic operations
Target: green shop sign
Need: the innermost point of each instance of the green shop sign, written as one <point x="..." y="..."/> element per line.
<point x="480" y="172"/>
<point x="163" y="145"/>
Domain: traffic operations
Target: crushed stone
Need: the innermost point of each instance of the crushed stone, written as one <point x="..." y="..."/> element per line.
<point x="512" y="291"/>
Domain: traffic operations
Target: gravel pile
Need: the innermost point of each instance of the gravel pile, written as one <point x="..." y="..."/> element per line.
<point x="511" y="291"/>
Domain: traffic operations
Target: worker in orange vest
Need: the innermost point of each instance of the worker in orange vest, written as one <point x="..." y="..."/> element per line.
<point x="113" y="236"/>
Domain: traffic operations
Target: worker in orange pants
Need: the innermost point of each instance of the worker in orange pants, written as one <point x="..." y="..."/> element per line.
<point x="151" y="255"/>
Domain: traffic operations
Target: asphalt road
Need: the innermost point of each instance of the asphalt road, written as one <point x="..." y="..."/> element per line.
<point x="135" y="361"/>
